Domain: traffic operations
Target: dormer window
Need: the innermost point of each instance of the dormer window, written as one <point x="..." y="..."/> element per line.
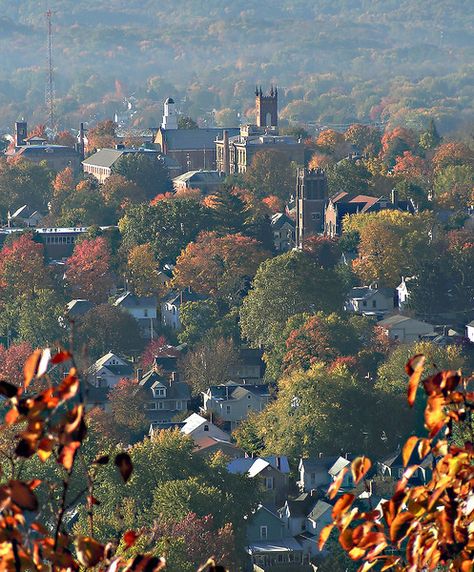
<point x="159" y="392"/>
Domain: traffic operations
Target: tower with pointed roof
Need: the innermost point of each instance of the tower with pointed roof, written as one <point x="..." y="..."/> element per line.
<point x="267" y="107"/>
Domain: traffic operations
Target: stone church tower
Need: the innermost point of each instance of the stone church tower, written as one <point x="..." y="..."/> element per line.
<point x="267" y="108"/>
<point x="311" y="198"/>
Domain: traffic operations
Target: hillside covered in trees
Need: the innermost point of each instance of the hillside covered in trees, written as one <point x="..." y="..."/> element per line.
<point x="336" y="62"/>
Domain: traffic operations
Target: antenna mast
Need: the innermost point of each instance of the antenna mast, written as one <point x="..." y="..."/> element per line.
<point x="50" y="80"/>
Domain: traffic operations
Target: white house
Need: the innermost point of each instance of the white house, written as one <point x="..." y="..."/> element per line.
<point x="233" y="402"/>
<point x="321" y="472"/>
<point x="196" y="426"/>
<point x="470" y="331"/>
<point x="283" y="229"/>
<point x="405" y="329"/>
<point x="108" y="370"/>
<point x="142" y="308"/>
<point x="171" y="304"/>
<point x="403" y="292"/>
<point x="370" y="300"/>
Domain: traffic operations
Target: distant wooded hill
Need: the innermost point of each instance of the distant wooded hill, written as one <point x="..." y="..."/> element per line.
<point x="337" y="61"/>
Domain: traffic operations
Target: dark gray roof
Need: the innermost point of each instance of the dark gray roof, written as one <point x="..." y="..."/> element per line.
<point x="302" y="505"/>
<point x="108" y="157"/>
<point x="183" y="296"/>
<point x="129" y="300"/>
<point x="78" y="307"/>
<point x="188" y="139"/>
<point x="323" y="463"/>
<point x="279" y="219"/>
<point x="396" y="460"/>
<point x="234" y="391"/>
<point x="174" y="389"/>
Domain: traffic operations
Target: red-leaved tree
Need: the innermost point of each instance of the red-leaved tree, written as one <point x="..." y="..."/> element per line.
<point x="88" y="270"/>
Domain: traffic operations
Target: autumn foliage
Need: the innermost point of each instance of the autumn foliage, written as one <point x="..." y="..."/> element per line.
<point x="51" y="422"/>
<point x="419" y="527"/>
<point x="88" y="270"/>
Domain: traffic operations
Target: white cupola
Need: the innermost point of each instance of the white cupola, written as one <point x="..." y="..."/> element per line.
<point x="170" y="120"/>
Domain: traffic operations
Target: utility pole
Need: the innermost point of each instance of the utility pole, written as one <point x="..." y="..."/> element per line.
<point x="50" y="78"/>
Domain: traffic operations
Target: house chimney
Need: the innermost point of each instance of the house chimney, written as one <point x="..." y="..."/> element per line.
<point x="278" y="462"/>
<point x="394" y="197"/>
<point x="225" y="154"/>
<point x="139" y="374"/>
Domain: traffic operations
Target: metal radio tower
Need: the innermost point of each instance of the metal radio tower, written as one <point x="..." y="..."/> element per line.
<point x="50" y="80"/>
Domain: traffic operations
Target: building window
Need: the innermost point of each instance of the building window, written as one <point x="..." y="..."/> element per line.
<point x="145" y="312"/>
<point x="374" y="303"/>
<point x="269" y="483"/>
<point x="364" y="303"/>
<point x="206" y="427"/>
<point x="263" y="533"/>
<point x="315" y="216"/>
<point x="227" y="409"/>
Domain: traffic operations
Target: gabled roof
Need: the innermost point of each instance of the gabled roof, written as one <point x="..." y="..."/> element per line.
<point x="193" y="422"/>
<point x="235" y="391"/>
<point x="319" y="510"/>
<point x="206" y="441"/>
<point x="78" y="307"/>
<point x="279" y="219"/>
<point x="25" y="212"/>
<point x="338" y="466"/>
<point x="396" y="460"/>
<point x="398" y="319"/>
<point x="129" y="300"/>
<point x="123" y="369"/>
<point x="366" y="292"/>
<point x="183" y="296"/>
<point x="201" y="176"/>
<point x="174" y="389"/>
<point x="301" y="506"/>
<point x="255" y="465"/>
<point x="318" y="464"/>
<point x="189" y="139"/>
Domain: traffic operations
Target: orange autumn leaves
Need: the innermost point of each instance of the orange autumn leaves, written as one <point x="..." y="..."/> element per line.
<point x="420" y="527"/>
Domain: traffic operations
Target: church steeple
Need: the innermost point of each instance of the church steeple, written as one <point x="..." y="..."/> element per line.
<point x="267" y="108"/>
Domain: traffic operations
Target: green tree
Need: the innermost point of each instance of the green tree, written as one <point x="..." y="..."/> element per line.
<point x="185" y="122"/>
<point x="229" y="210"/>
<point x="321" y="411"/>
<point x="271" y="173"/>
<point x="147" y="171"/>
<point x="38" y="319"/>
<point x="168" y="226"/>
<point x="348" y="176"/>
<point x="197" y="318"/>
<point x="430" y="138"/>
<point x="284" y="286"/>
<point x="108" y="328"/>
<point x="437" y="358"/>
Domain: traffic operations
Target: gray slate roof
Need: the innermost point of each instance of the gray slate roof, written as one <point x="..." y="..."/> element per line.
<point x="189" y="139"/>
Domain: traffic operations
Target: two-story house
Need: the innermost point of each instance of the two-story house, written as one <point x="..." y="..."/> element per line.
<point x="283" y="228"/>
<point x="232" y="402"/>
<point x="108" y="370"/>
<point x="272" y="474"/>
<point x="319" y="473"/>
<point x="165" y="396"/>
<point x="143" y="309"/>
<point x="171" y="304"/>
<point x="369" y="300"/>
<point x="394" y="468"/>
<point x="269" y="545"/>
